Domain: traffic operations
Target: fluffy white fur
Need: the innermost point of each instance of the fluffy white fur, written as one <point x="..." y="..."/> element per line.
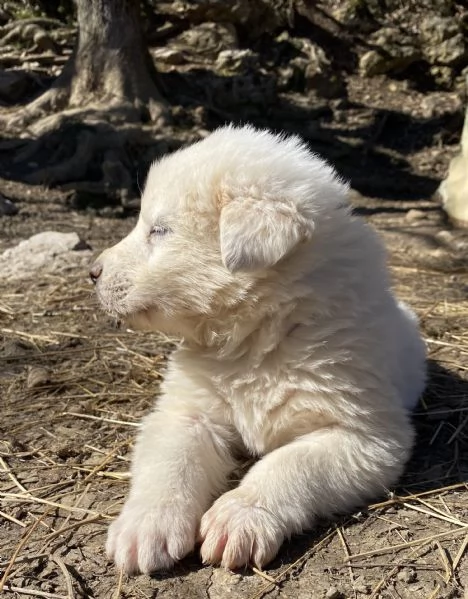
<point x="294" y="351"/>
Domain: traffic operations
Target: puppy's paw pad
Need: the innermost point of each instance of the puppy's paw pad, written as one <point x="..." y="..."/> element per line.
<point x="237" y="532"/>
<point x="146" y="539"/>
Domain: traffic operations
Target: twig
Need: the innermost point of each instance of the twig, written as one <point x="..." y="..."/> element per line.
<point x="68" y="581"/>
<point x="119" y="457"/>
<point x="12" y="519"/>
<point x="389" y="575"/>
<point x="106" y="473"/>
<point x="435" y="514"/>
<point x="423" y="541"/>
<point x="109" y="457"/>
<point x="445" y="561"/>
<point x="435" y="592"/>
<point x="33" y="592"/>
<point x="62" y="531"/>
<point x="298" y="562"/>
<point x="459" y="428"/>
<point x="347" y="553"/>
<point x="118" y="588"/>
<point x="397" y="500"/>
<point x="11" y="476"/>
<point x="21" y="544"/>
<point x="57" y="533"/>
<point x="26" y="558"/>
<point x="100" y="418"/>
<point x="263" y="575"/>
<point x="460" y="554"/>
<point x="31" y="499"/>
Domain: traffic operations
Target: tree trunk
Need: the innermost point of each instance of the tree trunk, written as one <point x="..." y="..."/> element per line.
<point x="108" y="81"/>
<point x="111" y="62"/>
<point x="109" y="68"/>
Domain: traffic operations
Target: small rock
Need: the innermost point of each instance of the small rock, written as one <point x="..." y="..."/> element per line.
<point x="445" y="237"/>
<point x="168" y="56"/>
<point x="236" y="60"/>
<point x="310" y="71"/>
<point x="442" y="40"/>
<point x="67" y="451"/>
<point x="439" y="103"/>
<point x="414" y="215"/>
<point x="394" y="52"/>
<point x="7" y="208"/>
<point x="49" y="251"/>
<point x="455" y="240"/>
<point x="37" y="377"/>
<point x="226" y="584"/>
<point x="364" y="589"/>
<point x="442" y="75"/>
<point x="333" y="593"/>
<point x="225" y="578"/>
<point x="360" y="585"/>
<point x="206" y="40"/>
<point x="255" y="17"/>
<point x="407" y="575"/>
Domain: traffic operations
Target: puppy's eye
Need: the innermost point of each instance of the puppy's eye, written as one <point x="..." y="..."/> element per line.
<point x="159" y="231"/>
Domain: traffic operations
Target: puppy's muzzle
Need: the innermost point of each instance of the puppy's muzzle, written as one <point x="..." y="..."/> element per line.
<point x="95" y="272"/>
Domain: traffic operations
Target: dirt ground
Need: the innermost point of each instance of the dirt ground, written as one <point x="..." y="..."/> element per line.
<point x="74" y="388"/>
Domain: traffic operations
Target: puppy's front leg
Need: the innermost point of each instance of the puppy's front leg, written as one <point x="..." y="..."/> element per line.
<point x="320" y="474"/>
<point x="181" y="461"/>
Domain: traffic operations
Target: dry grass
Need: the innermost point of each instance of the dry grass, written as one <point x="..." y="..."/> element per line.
<point x="73" y="393"/>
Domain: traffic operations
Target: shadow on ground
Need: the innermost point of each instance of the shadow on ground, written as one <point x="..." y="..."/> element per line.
<point x="374" y="156"/>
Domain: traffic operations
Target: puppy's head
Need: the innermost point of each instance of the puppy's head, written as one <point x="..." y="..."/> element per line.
<point x="219" y="220"/>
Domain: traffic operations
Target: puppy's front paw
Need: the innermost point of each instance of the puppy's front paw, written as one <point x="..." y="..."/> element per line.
<point x="237" y="531"/>
<point x="148" y="537"/>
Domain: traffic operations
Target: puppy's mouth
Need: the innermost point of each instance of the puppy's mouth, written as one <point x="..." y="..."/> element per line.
<point x="126" y="312"/>
<point x="140" y="319"/>
<point x="121" y="308"/>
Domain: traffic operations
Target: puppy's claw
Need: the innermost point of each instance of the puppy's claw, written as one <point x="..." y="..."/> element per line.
<point x="145" y="540"/>
<point x="237" y="533"/>
<point x="212" y="552"/>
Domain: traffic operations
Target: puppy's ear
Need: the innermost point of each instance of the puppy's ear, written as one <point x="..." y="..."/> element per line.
<point x="256" y="234"/>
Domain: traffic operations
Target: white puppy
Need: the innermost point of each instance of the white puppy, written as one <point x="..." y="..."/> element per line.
<point x="294" y="351"/>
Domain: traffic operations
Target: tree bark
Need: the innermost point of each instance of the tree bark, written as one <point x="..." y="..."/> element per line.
<point x="111" y="62"/>
<point x="110" y="68"/>
<point x="108" y="82"/>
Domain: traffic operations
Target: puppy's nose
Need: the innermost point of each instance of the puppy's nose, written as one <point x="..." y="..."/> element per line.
<point x="95" y="272"/>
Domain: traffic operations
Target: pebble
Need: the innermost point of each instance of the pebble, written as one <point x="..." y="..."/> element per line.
<point x="333" y="593"/>
<point x="37" y="377"/>
<point x="407" y="575"/>
<point x="7" y="208"/>
<point x="48" y="251"/>
<point x="414" y="214"/>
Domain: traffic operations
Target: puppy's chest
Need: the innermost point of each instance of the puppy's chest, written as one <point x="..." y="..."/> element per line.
<point x="255" y="411"/>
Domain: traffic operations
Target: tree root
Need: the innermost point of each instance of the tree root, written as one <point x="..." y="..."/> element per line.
<point x="75" y="167"/>
<point x="81" y="128"/>
<point x="87" y="152"/>
<point x="90" y="143"/>
<point x="40" y="21"/>
<point x="35" y="37"/>
<point x="54" y="99"/>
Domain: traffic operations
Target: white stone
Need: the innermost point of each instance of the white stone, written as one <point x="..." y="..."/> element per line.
<point x="49" y="251"/>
